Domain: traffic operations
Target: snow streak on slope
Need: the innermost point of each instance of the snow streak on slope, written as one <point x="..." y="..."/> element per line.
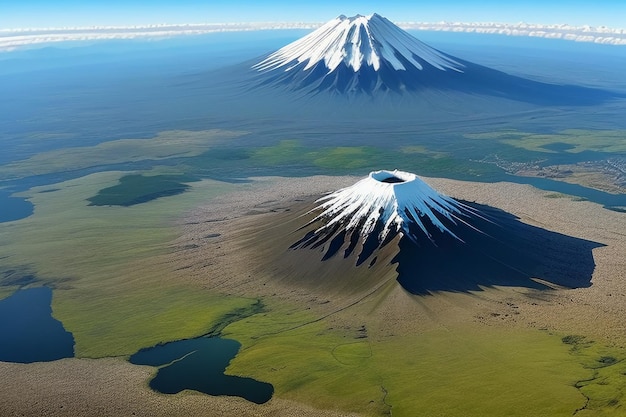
<point x="369" y="56"/>
<point x="395" y="199"/>
<point x="357" y="42"/>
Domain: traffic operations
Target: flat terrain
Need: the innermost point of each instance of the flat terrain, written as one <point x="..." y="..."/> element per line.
<point x="376" y="349"/>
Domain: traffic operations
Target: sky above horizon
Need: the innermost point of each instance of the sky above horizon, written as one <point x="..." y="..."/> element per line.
<point x="70" y="13"/>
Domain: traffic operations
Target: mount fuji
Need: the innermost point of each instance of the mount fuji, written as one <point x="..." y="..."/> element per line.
<point x="369" y="55"/>
<point x="360" y="53"/>
<point x="436" y="242"/>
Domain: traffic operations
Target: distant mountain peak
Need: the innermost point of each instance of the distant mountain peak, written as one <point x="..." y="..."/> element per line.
<point x="355" y="54"/>
<point x="369" y="55"/>
<point x="358" y="42"/>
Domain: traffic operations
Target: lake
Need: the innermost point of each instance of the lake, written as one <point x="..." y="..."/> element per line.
<point x="29" y="332"/>
<point x="199" y="364"/>
<point x="13" y="208"/>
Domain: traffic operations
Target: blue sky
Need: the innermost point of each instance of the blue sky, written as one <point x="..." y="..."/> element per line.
<point x="55" y="13"/>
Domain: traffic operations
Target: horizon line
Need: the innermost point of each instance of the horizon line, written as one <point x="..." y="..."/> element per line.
<point x="13" y="39"/>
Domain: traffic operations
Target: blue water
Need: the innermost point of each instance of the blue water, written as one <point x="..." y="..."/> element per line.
<point x="199" y="364"/>
<point x="606" y="199"/>
<point x="28" y="332"/>
<point x="13" y="208"/>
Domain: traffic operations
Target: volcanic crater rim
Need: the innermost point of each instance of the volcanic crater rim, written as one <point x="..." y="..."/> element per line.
<point x="392" y="177"/>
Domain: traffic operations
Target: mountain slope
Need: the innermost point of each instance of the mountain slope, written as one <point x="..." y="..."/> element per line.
<point x="370" y="55"/>
<point x="436" y="242"/>
<point x="356" y="54"/>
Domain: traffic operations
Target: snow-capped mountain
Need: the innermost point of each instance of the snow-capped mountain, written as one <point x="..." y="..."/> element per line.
<point x="397" y="200"/>
<point x="359" y="53"/>
<point x="440" y="243"/>
<point x="370" y="54"/>
<point x="356" y="42"/>
<point x="373" y="211"/>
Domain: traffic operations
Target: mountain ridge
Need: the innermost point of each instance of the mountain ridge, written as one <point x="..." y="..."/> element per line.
<point x="356" y="42"/>
<point x="371" y="56"/>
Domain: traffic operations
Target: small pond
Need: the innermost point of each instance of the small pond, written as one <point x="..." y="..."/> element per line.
<point x="199" y="364"/>
<point x="29" y="332"/>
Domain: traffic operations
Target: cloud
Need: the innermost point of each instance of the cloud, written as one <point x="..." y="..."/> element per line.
<point x="600" y="34"/>
<point x="12" y="39"/>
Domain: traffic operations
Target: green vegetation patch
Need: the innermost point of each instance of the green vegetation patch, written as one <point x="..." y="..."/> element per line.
<point x="605" y="388"/>
<point x="110" y="322"/>
<point x="137" y="188"/>
<point x="361" y="159"/>
<point x="339" y="158"/>
<point x="168" y="144"/>
<point x="353" y="353"/>
<point x="570" y="140"/>
<point x="347" y="157"/>
<point x="480" y="372"/>
<point x="297" y="355"/>
<point x="446" y="372"/>
<point x="333" y="159"/>
<point x="422" y="150"/>
<point x="113" y="287"/>
<point x="289" y="151"/>
<point x="556" y="195"/>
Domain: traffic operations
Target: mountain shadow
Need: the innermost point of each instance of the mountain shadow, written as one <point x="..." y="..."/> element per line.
<point x="505" y="252"/>
<point x="412" y="83"/>
<point x="491" y="248"/>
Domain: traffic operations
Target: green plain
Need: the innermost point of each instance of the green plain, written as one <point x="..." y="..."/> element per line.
<point x="113" y="289"/>
<point x="452" y="371"/>
<point x="579" y="140"/>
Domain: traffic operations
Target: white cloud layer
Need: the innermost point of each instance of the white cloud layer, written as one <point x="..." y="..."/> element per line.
<point x="11" y="39"/>
<point x="598" y="34"/>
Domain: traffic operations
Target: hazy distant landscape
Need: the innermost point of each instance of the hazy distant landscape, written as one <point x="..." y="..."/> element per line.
<point x="155" y="191"/>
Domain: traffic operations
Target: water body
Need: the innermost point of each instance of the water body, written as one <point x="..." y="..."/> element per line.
<point x="199" y="364"/>
<point x="28" y="331"/>
<point x="13" y="208"/>
<point x="608" y="200"/>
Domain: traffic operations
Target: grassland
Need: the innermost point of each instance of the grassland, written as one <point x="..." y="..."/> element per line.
<point x="451" y="371"/>
<point x="356" y="159"/>
<point x="168" y="144"/>
<point x="569" y="140"/>
<point x="115" y="293"/>
<point x="106" y="257"/>
<point x="111" y="289"/>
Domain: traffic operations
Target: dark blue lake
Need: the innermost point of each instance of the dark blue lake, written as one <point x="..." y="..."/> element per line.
<point x="199" y="364"/>
<point x="13" y="208"/>
<point x="28" y="332"/>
